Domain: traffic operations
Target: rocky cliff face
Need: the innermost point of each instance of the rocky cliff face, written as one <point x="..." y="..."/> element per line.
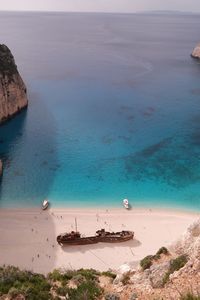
<point x="170" y="275"/>
<point x="1" y="167"/>
<point x="196" y="52"/>
<point x="13" y="96"/>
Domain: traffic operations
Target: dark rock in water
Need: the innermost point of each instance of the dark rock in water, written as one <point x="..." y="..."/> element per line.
<point x="13" y="95"/>
<point x="196" y="52"/>
<point x="1" y="167"/>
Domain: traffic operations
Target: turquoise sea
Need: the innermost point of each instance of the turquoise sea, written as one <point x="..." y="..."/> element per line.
<point x="114" y="110"/>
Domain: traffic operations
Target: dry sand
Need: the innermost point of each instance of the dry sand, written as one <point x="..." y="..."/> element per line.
<point x="28" y="237"/>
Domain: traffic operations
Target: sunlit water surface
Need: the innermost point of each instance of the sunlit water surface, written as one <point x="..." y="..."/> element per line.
<point x="114" y="111"/>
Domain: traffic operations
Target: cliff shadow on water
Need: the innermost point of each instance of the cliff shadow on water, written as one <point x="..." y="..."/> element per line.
<point x="10" y="133"/>
<point x="28" y="151"/>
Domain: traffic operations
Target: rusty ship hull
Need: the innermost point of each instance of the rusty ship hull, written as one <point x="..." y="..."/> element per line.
<point x="117" y="237"/>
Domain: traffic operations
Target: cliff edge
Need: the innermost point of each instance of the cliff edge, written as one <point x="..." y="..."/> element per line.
<point x="13" y="95"/>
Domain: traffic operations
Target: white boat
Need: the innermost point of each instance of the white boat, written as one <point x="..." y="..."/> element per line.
<point x="45" y="204"/>
<point x="126" y="203"/>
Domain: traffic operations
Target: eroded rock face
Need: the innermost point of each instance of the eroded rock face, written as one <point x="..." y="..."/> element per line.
<point x="1" y="167"/>
<point x="152" y="283"/>
<point x="13" y="96"/>
<point x="158" y="273"/>
<point x="196" y="52"/>
<point x="189" y="243"/>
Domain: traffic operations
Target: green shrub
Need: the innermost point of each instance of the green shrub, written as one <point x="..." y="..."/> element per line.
<point x="58" y="275"/>
<point x="32" y="286"/>
<point x="62" y="291"/>
<point x="89" y="274"/>
<point x="146" y="262"/>
<point x="85" y="279"/>
<point x="190" y="296"/>
<point x="33" y="293"/>
<point x="78" y="279"/>
<point x="175" y="265"/>
<point x="109" y="274"/>
<point x="55" y="275"/>
<point x="85" y="291"/>
<point x="7" y="63"/>
<point x="162" y="250"/>
<point x="125" y="279"/>
<point x="178" y="263"/>
<point x="13" y="292"/>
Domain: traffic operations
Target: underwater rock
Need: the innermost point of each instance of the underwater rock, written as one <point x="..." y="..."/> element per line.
<point x="13" y="95"/>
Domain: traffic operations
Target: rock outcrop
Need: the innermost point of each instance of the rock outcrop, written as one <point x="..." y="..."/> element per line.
<point x="13" y="96"/>
<point x="196" y="52"/>
<point x="170" y="275"/>
<point x="189" y="242"/>
<point x="1" y="167"/>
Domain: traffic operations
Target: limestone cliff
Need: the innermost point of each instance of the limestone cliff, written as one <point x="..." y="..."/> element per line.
<point x="169" y="276"/>
<point x="13" y="96"/>
<point x="196" y="52"/>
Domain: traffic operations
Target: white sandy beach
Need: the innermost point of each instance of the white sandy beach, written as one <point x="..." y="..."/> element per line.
<point x="28" y="237"/>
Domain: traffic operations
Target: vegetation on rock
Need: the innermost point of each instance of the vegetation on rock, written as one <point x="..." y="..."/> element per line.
<point x="82" y="284"/>
<point x="190" y="296"/>
<point x="32" y="286"/>
<point x="126" y="279"/>
<point x="147" y="261"/>
<point x="13" y="93"/>
<point x="109" y="274"/>
<point x="14" y="282"/>
<point x="175" y="265"/>
<point x="7" y="62"/>
<point x="162" y="250"/>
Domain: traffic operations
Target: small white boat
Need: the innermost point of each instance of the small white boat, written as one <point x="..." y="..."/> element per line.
<point x="45" y="204"/>
<point x="126" y="203"/>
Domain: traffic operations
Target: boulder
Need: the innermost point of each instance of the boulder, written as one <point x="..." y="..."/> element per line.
<point x="121" y="272"/>
<point x="196" y="52"/>
<point x="123" y="269"/>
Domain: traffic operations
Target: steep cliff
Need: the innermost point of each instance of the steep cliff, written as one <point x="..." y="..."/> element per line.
<point x="1" y="167"/>
<point x="13" y="96"/>
<point x="170" y="275"/>
<point x="196" y="52"/>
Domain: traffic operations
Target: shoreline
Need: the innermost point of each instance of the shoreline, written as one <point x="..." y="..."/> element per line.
<point x="28" y="236"/>
<point x="104" y="206"/>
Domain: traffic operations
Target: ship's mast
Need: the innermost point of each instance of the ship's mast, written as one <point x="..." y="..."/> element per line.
<point x="76" y="225"/>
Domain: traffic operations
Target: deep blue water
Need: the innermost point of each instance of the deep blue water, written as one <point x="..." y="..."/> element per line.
<point x="114" y="110"/>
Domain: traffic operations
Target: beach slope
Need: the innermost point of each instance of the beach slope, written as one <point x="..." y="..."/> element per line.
<point x="28" y="236"/>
